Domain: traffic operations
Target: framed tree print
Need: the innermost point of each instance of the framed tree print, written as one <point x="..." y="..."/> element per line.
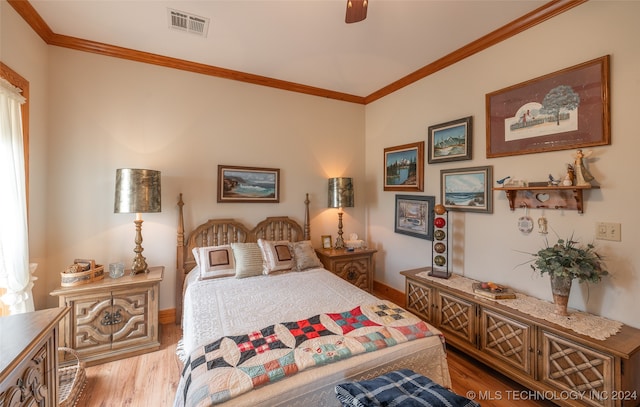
<point x="563" y="110"/>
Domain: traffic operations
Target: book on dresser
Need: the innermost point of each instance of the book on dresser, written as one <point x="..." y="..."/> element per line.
<point x="493" y="291"/>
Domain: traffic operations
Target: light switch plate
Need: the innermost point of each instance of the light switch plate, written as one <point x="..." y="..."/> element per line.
<point x="608" y="231"/>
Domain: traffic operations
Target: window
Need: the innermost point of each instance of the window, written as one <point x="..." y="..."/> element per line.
<point x="18" y="81"/>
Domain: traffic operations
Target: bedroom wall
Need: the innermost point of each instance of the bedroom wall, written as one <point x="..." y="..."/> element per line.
<point x="108" y="113"/>
<point x="487" y="246"/>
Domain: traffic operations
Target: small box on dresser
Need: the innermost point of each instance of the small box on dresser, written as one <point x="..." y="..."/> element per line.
<point x="112" y="318"/>
<point x="355" y="266"/>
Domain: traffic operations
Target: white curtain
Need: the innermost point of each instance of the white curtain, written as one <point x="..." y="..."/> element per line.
<point x="16" y="274"/>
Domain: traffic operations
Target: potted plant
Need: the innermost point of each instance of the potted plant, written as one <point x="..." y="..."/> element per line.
<point x="565" y="261"/>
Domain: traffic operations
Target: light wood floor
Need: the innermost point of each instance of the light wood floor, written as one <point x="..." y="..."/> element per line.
<point x="151" y="379"/>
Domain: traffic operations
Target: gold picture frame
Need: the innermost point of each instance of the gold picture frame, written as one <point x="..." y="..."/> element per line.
<point x="404" y="167"/>
<point x="327" y="241"/>
<point x="248" y="184"/>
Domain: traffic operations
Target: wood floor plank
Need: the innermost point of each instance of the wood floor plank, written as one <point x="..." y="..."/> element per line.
<point x="152" y="379"/>
<point x="146" y="380"/>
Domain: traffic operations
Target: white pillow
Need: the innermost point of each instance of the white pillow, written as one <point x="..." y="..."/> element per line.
<point x="304" y="256"/>
<point x="196" y="255"/>
<point x="215" y="261"/>
<point x="276" y="255"/>
<point x="248" y="258"/>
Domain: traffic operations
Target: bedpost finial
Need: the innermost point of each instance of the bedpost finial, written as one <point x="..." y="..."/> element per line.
<point x="307" y="227"/>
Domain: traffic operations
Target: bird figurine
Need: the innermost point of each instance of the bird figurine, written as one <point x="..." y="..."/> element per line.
<point x="502" y="180"/>
<point x="553" y="181"/>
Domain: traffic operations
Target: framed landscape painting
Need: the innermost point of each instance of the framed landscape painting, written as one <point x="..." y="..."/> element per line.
<point x="450" y="141"/>
<point x="467" y="189"/>
<point x="248" y="184"/>
<point x="404" y="167"/>
<point x="563" y="110"/>
<point x="414" y="215"/>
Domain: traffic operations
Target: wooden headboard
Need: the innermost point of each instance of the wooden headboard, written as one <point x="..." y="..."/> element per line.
<point x="216" y="232"/>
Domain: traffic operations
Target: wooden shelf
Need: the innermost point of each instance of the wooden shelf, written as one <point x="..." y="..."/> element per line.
<point x="547" y="196"/>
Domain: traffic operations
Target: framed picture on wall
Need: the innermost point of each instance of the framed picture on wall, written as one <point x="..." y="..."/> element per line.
<point x="248" y="184"/>
<point x="563" y="110"/>
<point x="404" y="167"/>
<point x="450" y="141"/>
<point x="467" y="189"/>
<point x="414" y="216"/>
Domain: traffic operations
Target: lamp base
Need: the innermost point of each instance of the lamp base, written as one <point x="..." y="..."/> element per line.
<point x="139" y="261"/>
<point x="339" y="240"/>
<point x="139" y="265"/>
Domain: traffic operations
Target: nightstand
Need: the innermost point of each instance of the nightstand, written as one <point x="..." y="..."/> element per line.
<point x="356" y="266"/>
<point x="113" y="318"/>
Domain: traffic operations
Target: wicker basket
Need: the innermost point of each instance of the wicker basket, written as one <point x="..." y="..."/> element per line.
<point x="71" y="380"/>
<point x="82" y="277"/>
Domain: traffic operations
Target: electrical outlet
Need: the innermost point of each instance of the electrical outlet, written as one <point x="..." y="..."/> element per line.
<point x="608" y="231"/>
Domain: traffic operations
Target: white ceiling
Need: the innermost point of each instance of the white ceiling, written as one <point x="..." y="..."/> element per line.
<point x="301" y="41"/>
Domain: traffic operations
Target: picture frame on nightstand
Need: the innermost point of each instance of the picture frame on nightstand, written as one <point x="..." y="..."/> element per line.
<point x="327" y="242"/>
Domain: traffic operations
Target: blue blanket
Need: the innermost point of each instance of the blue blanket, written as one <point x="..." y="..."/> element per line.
<point x="399" y="388"/>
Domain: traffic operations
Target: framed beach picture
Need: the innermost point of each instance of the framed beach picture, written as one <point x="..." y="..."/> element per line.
<point x="563" y="110"/>
<point x="414" y="215"/>
<point x="450" y="141"/>
<point x="467" y="189"/>
<point x="404" y="167"/>
<point x="248" y="184"/>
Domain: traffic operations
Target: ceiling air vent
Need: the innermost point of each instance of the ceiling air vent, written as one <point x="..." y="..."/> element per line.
<point x="180" y="20"/>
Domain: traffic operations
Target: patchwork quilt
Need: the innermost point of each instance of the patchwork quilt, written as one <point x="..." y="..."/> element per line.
<point x="232" y="365"/>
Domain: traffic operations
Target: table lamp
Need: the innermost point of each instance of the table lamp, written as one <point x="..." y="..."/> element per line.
<point x="137" y="191"/>
<point x="340" y="196"/>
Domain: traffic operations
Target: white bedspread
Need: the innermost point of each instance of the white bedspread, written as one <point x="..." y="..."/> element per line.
<point x="230" y="306"/>
<point x="243" y="305"/>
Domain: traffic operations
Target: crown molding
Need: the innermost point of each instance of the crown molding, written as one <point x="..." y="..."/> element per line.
<point x="541" y="14"/>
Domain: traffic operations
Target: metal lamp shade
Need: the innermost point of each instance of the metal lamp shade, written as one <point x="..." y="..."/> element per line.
<point x="137" y="191"/>
<point x="340" y="192"/>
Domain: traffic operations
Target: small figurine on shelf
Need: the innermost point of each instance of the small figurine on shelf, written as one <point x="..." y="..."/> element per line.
<point x="583" y="176"/>
<point x="553" y="181"/>
<point x="568" y="179"/>
<point x="501" y="181"/>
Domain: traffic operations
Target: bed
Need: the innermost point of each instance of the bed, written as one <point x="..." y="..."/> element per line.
<point x="219" y="311"/>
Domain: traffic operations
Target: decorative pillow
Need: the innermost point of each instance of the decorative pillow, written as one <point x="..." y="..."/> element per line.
<point x="248" y="258"/>
<point x="215" y="261"/>
<point x="304" y="257"/>
<point x="276" y="255"/>
<point x="196" y="255"/>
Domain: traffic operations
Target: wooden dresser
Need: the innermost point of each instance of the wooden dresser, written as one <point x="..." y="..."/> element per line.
<point x="113" y="318"/>
<point x="569" y="368"/>
<point x="29" y="358"/>
<point x="354" y="266"/>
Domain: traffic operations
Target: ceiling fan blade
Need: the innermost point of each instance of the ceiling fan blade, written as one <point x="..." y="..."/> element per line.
<point x="356" y="11"/>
